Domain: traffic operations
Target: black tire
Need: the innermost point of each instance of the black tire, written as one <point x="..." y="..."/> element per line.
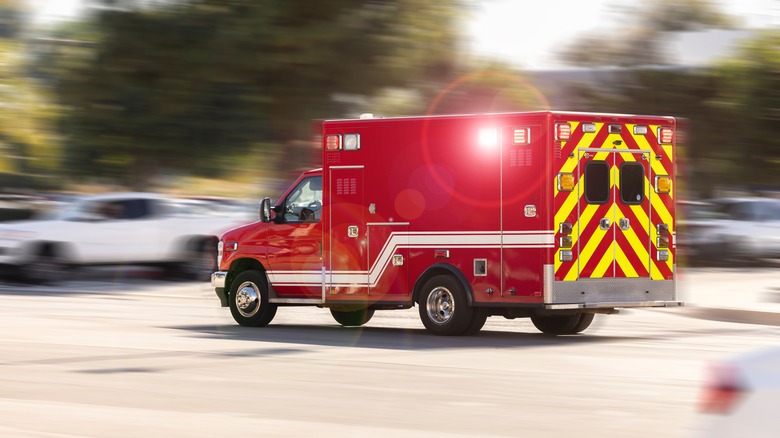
<point x="45" y="267"/>
<point x="563" y="325"/>
<point x="478" y="320"/>
<point x="248" y="300"/>
<point x="352" y="318"/>
<point x="444" y="308"/>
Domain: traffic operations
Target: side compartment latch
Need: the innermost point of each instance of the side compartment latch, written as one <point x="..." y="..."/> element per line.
<point x="352" y="231"/>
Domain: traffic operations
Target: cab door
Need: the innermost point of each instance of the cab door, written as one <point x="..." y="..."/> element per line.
<point x="295" y="242"/>
<point x="613" y="227"/>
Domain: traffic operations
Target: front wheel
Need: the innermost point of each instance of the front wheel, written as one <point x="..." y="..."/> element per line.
<point x="45" y="268"/>
<point x="563" y="325"/>
<point x="352" y="318"/>
<point x="249" y="300"/>
<point x="444" y="308"/>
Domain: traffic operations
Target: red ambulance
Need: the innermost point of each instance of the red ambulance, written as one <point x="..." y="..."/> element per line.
<point x="554" y="216"/>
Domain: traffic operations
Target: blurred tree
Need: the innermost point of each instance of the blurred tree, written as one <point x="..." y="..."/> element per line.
<point x="27" y="116"/>
<point x="749" y="96"/>
<point x="635" y="36"/>
<point x="177" y="84"/>
<point x="12" y="16"/>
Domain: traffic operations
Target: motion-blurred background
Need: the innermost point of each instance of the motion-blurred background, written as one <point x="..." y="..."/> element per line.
<point x="217" y="97"/>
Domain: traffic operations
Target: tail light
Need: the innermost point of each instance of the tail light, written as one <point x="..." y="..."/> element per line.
<point x="722" y="392"/>
<point x="662" y="241"/>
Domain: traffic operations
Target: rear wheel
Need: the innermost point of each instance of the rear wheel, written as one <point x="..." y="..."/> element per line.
<point x="249" y="303"/>
<point x="563" y="325"/>
<point x="444" y="308"/>
<point x="478" y="320"/>
<point x="352" y="318"/>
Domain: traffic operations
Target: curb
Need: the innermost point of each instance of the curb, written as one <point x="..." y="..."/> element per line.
<point x="740" y="316"/>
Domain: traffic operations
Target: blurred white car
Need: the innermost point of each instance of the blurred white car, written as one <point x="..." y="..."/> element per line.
<point x="741" y="229"/>
<point x="120" y="228"/>
<point x="741" y="397"/>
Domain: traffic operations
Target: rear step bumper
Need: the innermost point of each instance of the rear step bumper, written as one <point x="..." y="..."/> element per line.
<point x="608" y="292"/>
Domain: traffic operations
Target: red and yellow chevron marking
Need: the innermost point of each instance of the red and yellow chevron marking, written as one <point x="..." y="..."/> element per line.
<point x="614" y="252"/>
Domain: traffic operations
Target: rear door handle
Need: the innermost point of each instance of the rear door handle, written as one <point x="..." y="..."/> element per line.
<point x="604" y="223"/>
<point x="624" y="223"/>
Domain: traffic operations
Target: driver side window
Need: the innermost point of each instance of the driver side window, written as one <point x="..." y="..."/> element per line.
<point x="304" y="204"/>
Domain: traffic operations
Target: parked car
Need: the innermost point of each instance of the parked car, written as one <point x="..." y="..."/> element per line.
<point x="733" y="229"/>
<point x="121" y="228"/>
<point x="741" y="396"/>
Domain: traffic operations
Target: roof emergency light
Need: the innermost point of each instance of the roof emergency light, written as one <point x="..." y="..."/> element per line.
<point x="351" y="142"/>
<point x="562" y="131"/>
<point x="488" y="137"/>
<point x="640" y="129"/>
<point x="522" y="136"/>
<point x="665" y="135"/>
<point x="589" y="127"/>
<point x="333" y="142"/>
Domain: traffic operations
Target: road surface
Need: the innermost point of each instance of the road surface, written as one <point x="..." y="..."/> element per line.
<point x="130" y="357"/>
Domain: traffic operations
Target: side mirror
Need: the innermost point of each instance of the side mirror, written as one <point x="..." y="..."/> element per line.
<point x="265" y="210"/>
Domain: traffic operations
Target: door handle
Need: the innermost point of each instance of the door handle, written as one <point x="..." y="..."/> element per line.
<point x="352" y="231"/>
<point x="624" y="223"/>
<point x="604" y="223"/>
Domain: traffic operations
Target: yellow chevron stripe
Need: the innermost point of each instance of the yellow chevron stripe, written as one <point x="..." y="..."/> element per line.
<point x="624" y="263"/>
<point x="589" y="249"/>
<point x="587" y="138"/>
<point x="605" y="263"/>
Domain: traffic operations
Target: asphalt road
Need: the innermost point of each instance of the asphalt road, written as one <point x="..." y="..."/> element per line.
<point x="121" y="356"/>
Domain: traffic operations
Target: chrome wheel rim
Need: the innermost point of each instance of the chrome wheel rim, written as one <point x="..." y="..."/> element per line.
<point x="247" y="299"/>
<point x="440" y="305"/>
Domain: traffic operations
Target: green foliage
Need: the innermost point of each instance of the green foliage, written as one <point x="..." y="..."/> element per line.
<point x="749" y="96"/>
<point x="27" y="117"/>
<point x="177" y="85"/>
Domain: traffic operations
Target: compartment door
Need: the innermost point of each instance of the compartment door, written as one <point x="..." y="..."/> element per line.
<point x="348" y="257"/>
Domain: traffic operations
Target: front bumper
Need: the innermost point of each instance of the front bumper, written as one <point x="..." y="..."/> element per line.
<point x="218" y="281"/>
